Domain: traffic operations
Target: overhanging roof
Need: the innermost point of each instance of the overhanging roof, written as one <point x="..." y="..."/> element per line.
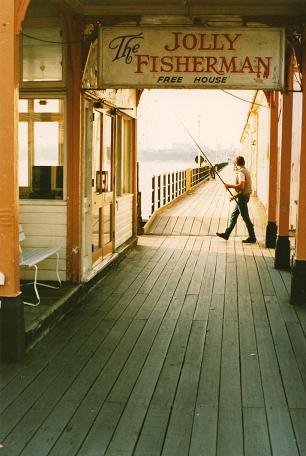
<point x="190" y="8"/>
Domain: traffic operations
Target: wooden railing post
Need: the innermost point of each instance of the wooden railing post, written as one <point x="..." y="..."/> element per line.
<point x="188" y="179"/>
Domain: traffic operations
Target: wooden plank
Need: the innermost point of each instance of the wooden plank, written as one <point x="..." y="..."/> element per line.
<point x="187" y="273"/>
<point x="208" y="392"/>
<point x="169" y="226"/>
<point x="100" y="434"/>
<point x="256" y="434"/>
<point x="298" y="420"/>
<point x="151" y="439"/>
<point x="196" y="226"/>
<point x="31" y="421"/>
<point x="186" y="230"/>
<point x="126" y="433"/>
<point x="39" y="399"/>
<point x="230" y="392"/>
<point x="242" y="273"/>
<point x="291" y="377"/>
<point x="230" y="307"/>
<point x="195" y="283"/>
<point x="98" y="369"/>
<point x="220" y="272"/>
<point x="282" y="437"/>
<point x="164" y="393"/>
<point x="204" y="431"/>
<point x="159" y="224"/>
<point x="297" y="339"/>
<point x="259" y="310"/>
<point x="181" y="419"/>
<point x="231" y="286"/>
<point x="230" y="433"/>
<point x="271" y="378"/>
<point x="177" y="229"/>
<point x="266" y="285"/>
<point x="252" y="393"/>
<point x="254" y="280"/>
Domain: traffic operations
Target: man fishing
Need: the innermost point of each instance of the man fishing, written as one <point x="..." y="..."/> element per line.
<point x="243" y="187"/>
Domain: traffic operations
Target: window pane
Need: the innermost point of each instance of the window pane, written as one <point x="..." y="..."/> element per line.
<point x="23" y="105"/>
<point x="107" y="150"/>
<point x="42" y="60"/>
<point x="46" y="141"/>
<point x="47" y="105"/>
<point x="96" y="160"/>
<point x="23" y="169"/>
<point x="127" y="178"/>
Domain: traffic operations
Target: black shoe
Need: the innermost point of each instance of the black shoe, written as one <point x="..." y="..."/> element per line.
<point x="223" y="236"/>
<point x="250" y="240"/>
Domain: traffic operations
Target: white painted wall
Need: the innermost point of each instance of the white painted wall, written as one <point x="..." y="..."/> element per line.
<point x="45" y="225"/>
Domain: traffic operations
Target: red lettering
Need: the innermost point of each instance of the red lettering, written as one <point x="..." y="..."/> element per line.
<point x="166" y="64"/>
<point x="192" y="41"/>
<point x="228" y="66"/>
<point x="266" y="66"/>
<point x="247" y="65"/>
<point x="197" y="64"/>
<point x="141" y="60"/>
<point x="215" y="42"/>
<point x="211" y="62"/>
<point x="231" y="41"/>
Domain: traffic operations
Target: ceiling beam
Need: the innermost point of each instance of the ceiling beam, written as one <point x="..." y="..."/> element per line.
<point x="194" y="9"/>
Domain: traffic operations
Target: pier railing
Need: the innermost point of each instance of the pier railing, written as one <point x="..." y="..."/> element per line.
<point x="166" y="187"/>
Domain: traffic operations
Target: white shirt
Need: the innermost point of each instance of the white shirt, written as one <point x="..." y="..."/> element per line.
<point x="240" y="177"/>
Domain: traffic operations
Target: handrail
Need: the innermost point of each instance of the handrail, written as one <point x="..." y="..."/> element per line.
<point x="166" y="187"/>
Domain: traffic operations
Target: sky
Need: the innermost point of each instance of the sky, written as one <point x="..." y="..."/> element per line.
<point x="213" y="117"/>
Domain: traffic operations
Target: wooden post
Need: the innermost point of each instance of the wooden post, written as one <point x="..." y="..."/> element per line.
<point x="282" y="250"/>
<point x="298" y="281"/>
<point x="74" y="171"/>
<point x="188" y="179"/>
<point x="271" y="229"/>
<point x="12" y="330"/>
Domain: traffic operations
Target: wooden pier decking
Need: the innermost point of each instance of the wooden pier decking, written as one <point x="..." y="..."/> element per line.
<point x="189" y="348"/>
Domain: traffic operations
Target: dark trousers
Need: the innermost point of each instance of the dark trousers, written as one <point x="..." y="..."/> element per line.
<point x="241" y="208"/>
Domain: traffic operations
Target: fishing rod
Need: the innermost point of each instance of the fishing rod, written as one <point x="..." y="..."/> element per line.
<point x="233" y="197"/>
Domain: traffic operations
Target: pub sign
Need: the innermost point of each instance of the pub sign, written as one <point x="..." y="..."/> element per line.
<point x="179" y="57"/>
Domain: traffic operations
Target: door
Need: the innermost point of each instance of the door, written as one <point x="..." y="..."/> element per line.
<point x="102" y="182"/>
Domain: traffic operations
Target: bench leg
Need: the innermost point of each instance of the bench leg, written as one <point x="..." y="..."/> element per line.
<point x="33" y="304"/>
<point x="57" y="274"/>
<point x="35" y="283"/>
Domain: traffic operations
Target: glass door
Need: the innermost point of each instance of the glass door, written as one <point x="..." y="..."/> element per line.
<point x="102" y="191"/>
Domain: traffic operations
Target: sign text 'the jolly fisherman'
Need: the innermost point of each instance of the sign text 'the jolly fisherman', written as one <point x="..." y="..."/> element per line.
<point x="200" y="53"/>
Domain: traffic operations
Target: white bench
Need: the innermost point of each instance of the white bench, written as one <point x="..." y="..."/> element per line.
<point x="31" y="258"/>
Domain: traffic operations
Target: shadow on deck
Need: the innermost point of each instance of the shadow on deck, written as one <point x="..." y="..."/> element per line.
<point x="188" y="347"/>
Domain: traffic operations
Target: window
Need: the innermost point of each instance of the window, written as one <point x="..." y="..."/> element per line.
<point x="42" y="54"/>
<point x="124" y="154"/>
<point x="127" y="155"/>
<point x="41" y="142"/>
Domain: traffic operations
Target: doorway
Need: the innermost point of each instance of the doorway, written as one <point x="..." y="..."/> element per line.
<point x="101" y="188"/>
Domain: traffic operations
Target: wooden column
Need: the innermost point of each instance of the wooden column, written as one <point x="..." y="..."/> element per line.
<point x="271" y="229"/>
<point x="74" y="161"/>
<point x="12" y="331"/>
<point x="298" y="281"/>
<point x="282" y="250"/>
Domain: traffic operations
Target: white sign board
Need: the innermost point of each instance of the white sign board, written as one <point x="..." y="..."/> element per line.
<point x="168" y="57"/>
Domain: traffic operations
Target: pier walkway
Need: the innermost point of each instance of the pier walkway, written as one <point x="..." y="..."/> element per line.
<point x="189" y="347"/>
<point x="204" y="211"/>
